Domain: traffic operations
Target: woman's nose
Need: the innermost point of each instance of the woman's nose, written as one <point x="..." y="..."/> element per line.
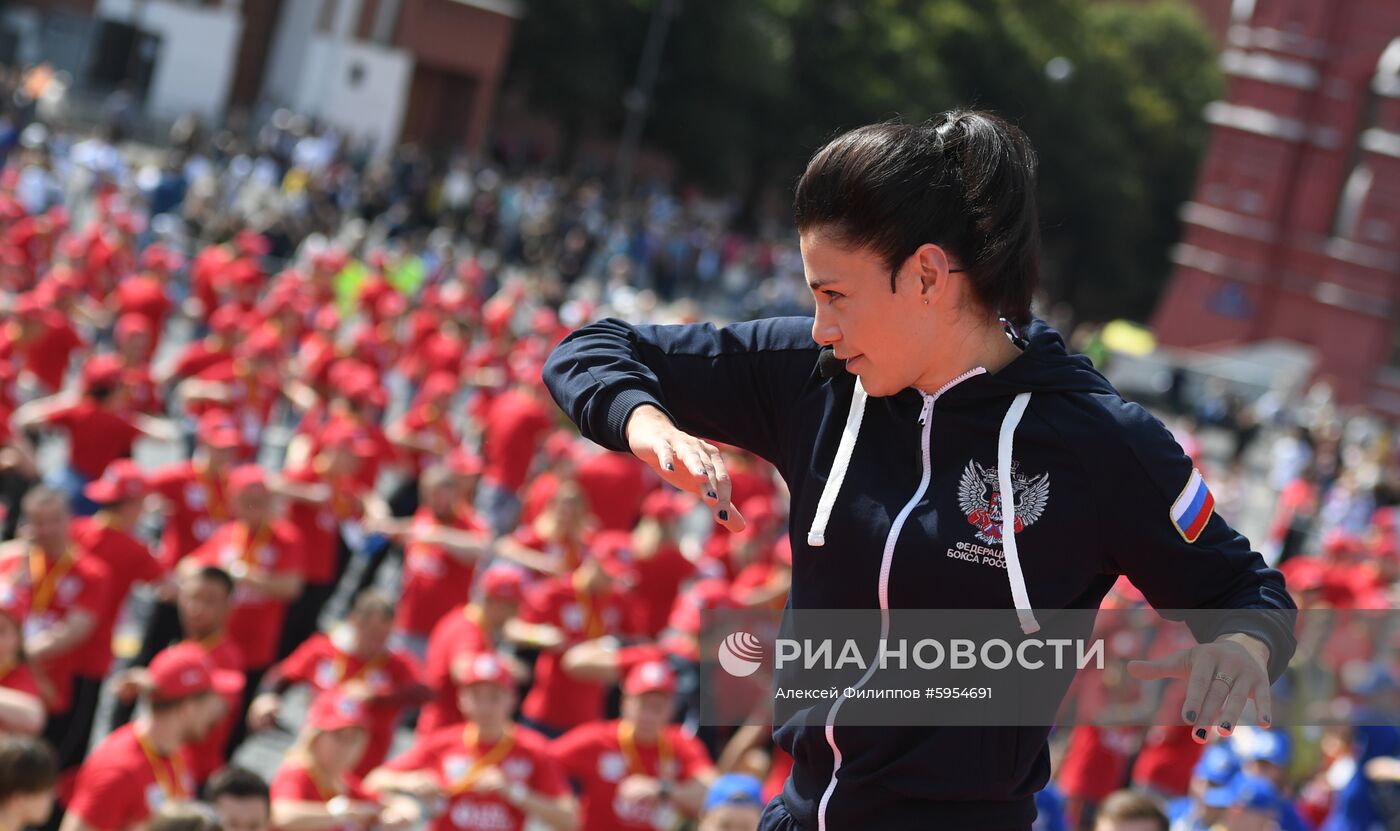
<point x="824" y="330"/>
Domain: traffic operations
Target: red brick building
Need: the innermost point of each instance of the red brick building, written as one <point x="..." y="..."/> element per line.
<point x="1294" y="228"/>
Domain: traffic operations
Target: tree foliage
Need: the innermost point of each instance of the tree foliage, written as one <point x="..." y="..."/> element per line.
<point x="1111" y="93"/>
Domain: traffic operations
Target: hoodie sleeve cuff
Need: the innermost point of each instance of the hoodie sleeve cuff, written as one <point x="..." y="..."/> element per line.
<point x="620" y="409"/>
<point x="1272" y="626"/>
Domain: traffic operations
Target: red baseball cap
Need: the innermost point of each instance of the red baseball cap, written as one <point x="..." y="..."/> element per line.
<point x="133" y="324"/>
<point x="216" y="429"/>
<point x="225" y="320"/>
<point x="122" y="480"/>
<point x="343" y="434"/>
<point x="463" y="462"/>
<point x="332" y="259"/>
<point x="102" y="371"/>
<point x="251" y="244"/>
<point x="483" y="668"/>
<point x="334" y="710"/>
<point x="665" y="505"/>
<point x="651" y="676"/>
<point x="705" y="595"/>
<point x="185" y="669"/>
<point x="246" y="476"/>
<point x="503" y="583"/>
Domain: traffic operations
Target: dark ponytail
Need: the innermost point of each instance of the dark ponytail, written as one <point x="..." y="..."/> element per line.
<point x="964" y="180"/>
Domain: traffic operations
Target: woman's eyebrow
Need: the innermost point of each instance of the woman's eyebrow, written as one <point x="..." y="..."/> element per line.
<point x="818" y="284"/>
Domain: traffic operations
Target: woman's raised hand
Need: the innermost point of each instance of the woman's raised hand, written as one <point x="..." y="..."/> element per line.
<point x="691" y="464"/>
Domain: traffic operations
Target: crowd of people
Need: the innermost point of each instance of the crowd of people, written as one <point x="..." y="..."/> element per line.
<point x="368" y="500"/>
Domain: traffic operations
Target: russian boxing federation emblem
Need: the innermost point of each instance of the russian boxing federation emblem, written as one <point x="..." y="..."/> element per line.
<point x="979" y="496"/>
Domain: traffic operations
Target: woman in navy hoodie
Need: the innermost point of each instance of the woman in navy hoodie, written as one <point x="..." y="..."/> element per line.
<point x="921" y="394"/>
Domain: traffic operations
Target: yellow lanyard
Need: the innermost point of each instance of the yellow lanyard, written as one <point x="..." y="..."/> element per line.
<point x="592" y="622"/>
<point x="490" y="760"/>
<point x="341" y="661"/>
<point x="626" y="739"/>
<point x="174" y="788"/>
<point x="43" y="581"/>
<point x="213" y="493"/>
<point x="249" y="548"/>
<point x="326" y="792"/>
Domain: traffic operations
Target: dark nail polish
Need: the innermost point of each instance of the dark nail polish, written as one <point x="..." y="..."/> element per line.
<point x="723" y="516"/>
<point x="1224" y="725"/>
<point x="1201" y="733"/>
<point x="711" y="494"/>
<point x="670" y="466"/>
<point x="1191" y="715"/>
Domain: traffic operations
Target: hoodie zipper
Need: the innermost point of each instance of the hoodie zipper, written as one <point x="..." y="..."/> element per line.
<point x="886" y="561"/>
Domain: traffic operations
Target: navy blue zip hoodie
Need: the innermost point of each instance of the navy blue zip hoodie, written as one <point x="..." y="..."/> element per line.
<point x="1101" y="489"/>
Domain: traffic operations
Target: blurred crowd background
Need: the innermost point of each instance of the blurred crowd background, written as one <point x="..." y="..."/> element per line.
<point x="285" y="502"/>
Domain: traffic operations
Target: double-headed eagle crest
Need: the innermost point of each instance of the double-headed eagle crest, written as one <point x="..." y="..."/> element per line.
<point x="984" y="512"/>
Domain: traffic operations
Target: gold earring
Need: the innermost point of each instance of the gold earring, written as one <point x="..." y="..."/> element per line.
<point x="925" y="301"/>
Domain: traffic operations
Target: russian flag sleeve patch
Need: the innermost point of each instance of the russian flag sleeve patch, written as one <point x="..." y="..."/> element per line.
<point x="1193" y="507"/>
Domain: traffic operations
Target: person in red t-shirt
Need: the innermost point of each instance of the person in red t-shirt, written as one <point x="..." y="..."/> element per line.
<point x="652" y="552"/>
<point x="108" y="535"/>
<point x="478" y="626"/>
<point x="21" y="704"/>
<point x="205" y="602"/>
<point x="195" y="503"/>
<point x="491" y="774"/>
<point x="315" y="789"/>
<point x="247" y="388"/>
<point x="145" y="294"/>
<point x="560" y="612"/>
<point x="555" y="541"/>
<point x="355" y="659"/>
<point x="638" y="773"/>
<point x="100" y="427"/>
<point x="424" y="433"/>
<point x="262" y="553"/>
<point x="323" y="498"/>
<point x="617" y="485"/>
<point x="63" y="590"/>
<point x="144" y="765"/>
<point x="442" y="545"/>
<point x="515" y="422"/>
<point x="225" y="327"/>
<point x="45" y="338"/>
<point x="132" y="337"/>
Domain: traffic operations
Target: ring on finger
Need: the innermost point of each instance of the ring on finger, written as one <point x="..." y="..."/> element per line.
<point x="1220" y="676"/>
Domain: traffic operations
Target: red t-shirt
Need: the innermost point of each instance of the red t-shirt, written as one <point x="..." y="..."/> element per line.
<point x="615" y="485"/>
<point x="294" y="783"/>
<point x="323" y="666"/>
<point x="47" y="356"/>
<point x="122" y="784"/>
<point x="1168" y="756"/>
<point x="129" y="561"/>
<point x="319" y="523"/>
<point x="20" y="679"/>
<point x="207" y="755"/>
<point x="446" y="755"/>
<point x="81" y="585"/>
<point x="658" y="580"/>
<point x="195" y="506"/>
<point x="514" y="425"/>
<point x="456" y="634"/>
<point x="256" y="622"/>
<point x="557" y="698"/>
<point x="1096" y="762"/>
<point x="592" y="755"/>
<point x="434" y="580"/>
<point x="141" y="393"/>
<point x="96" y="436"/>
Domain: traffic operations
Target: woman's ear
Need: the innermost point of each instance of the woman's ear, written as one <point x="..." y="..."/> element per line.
<point x="933" y="271"/>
